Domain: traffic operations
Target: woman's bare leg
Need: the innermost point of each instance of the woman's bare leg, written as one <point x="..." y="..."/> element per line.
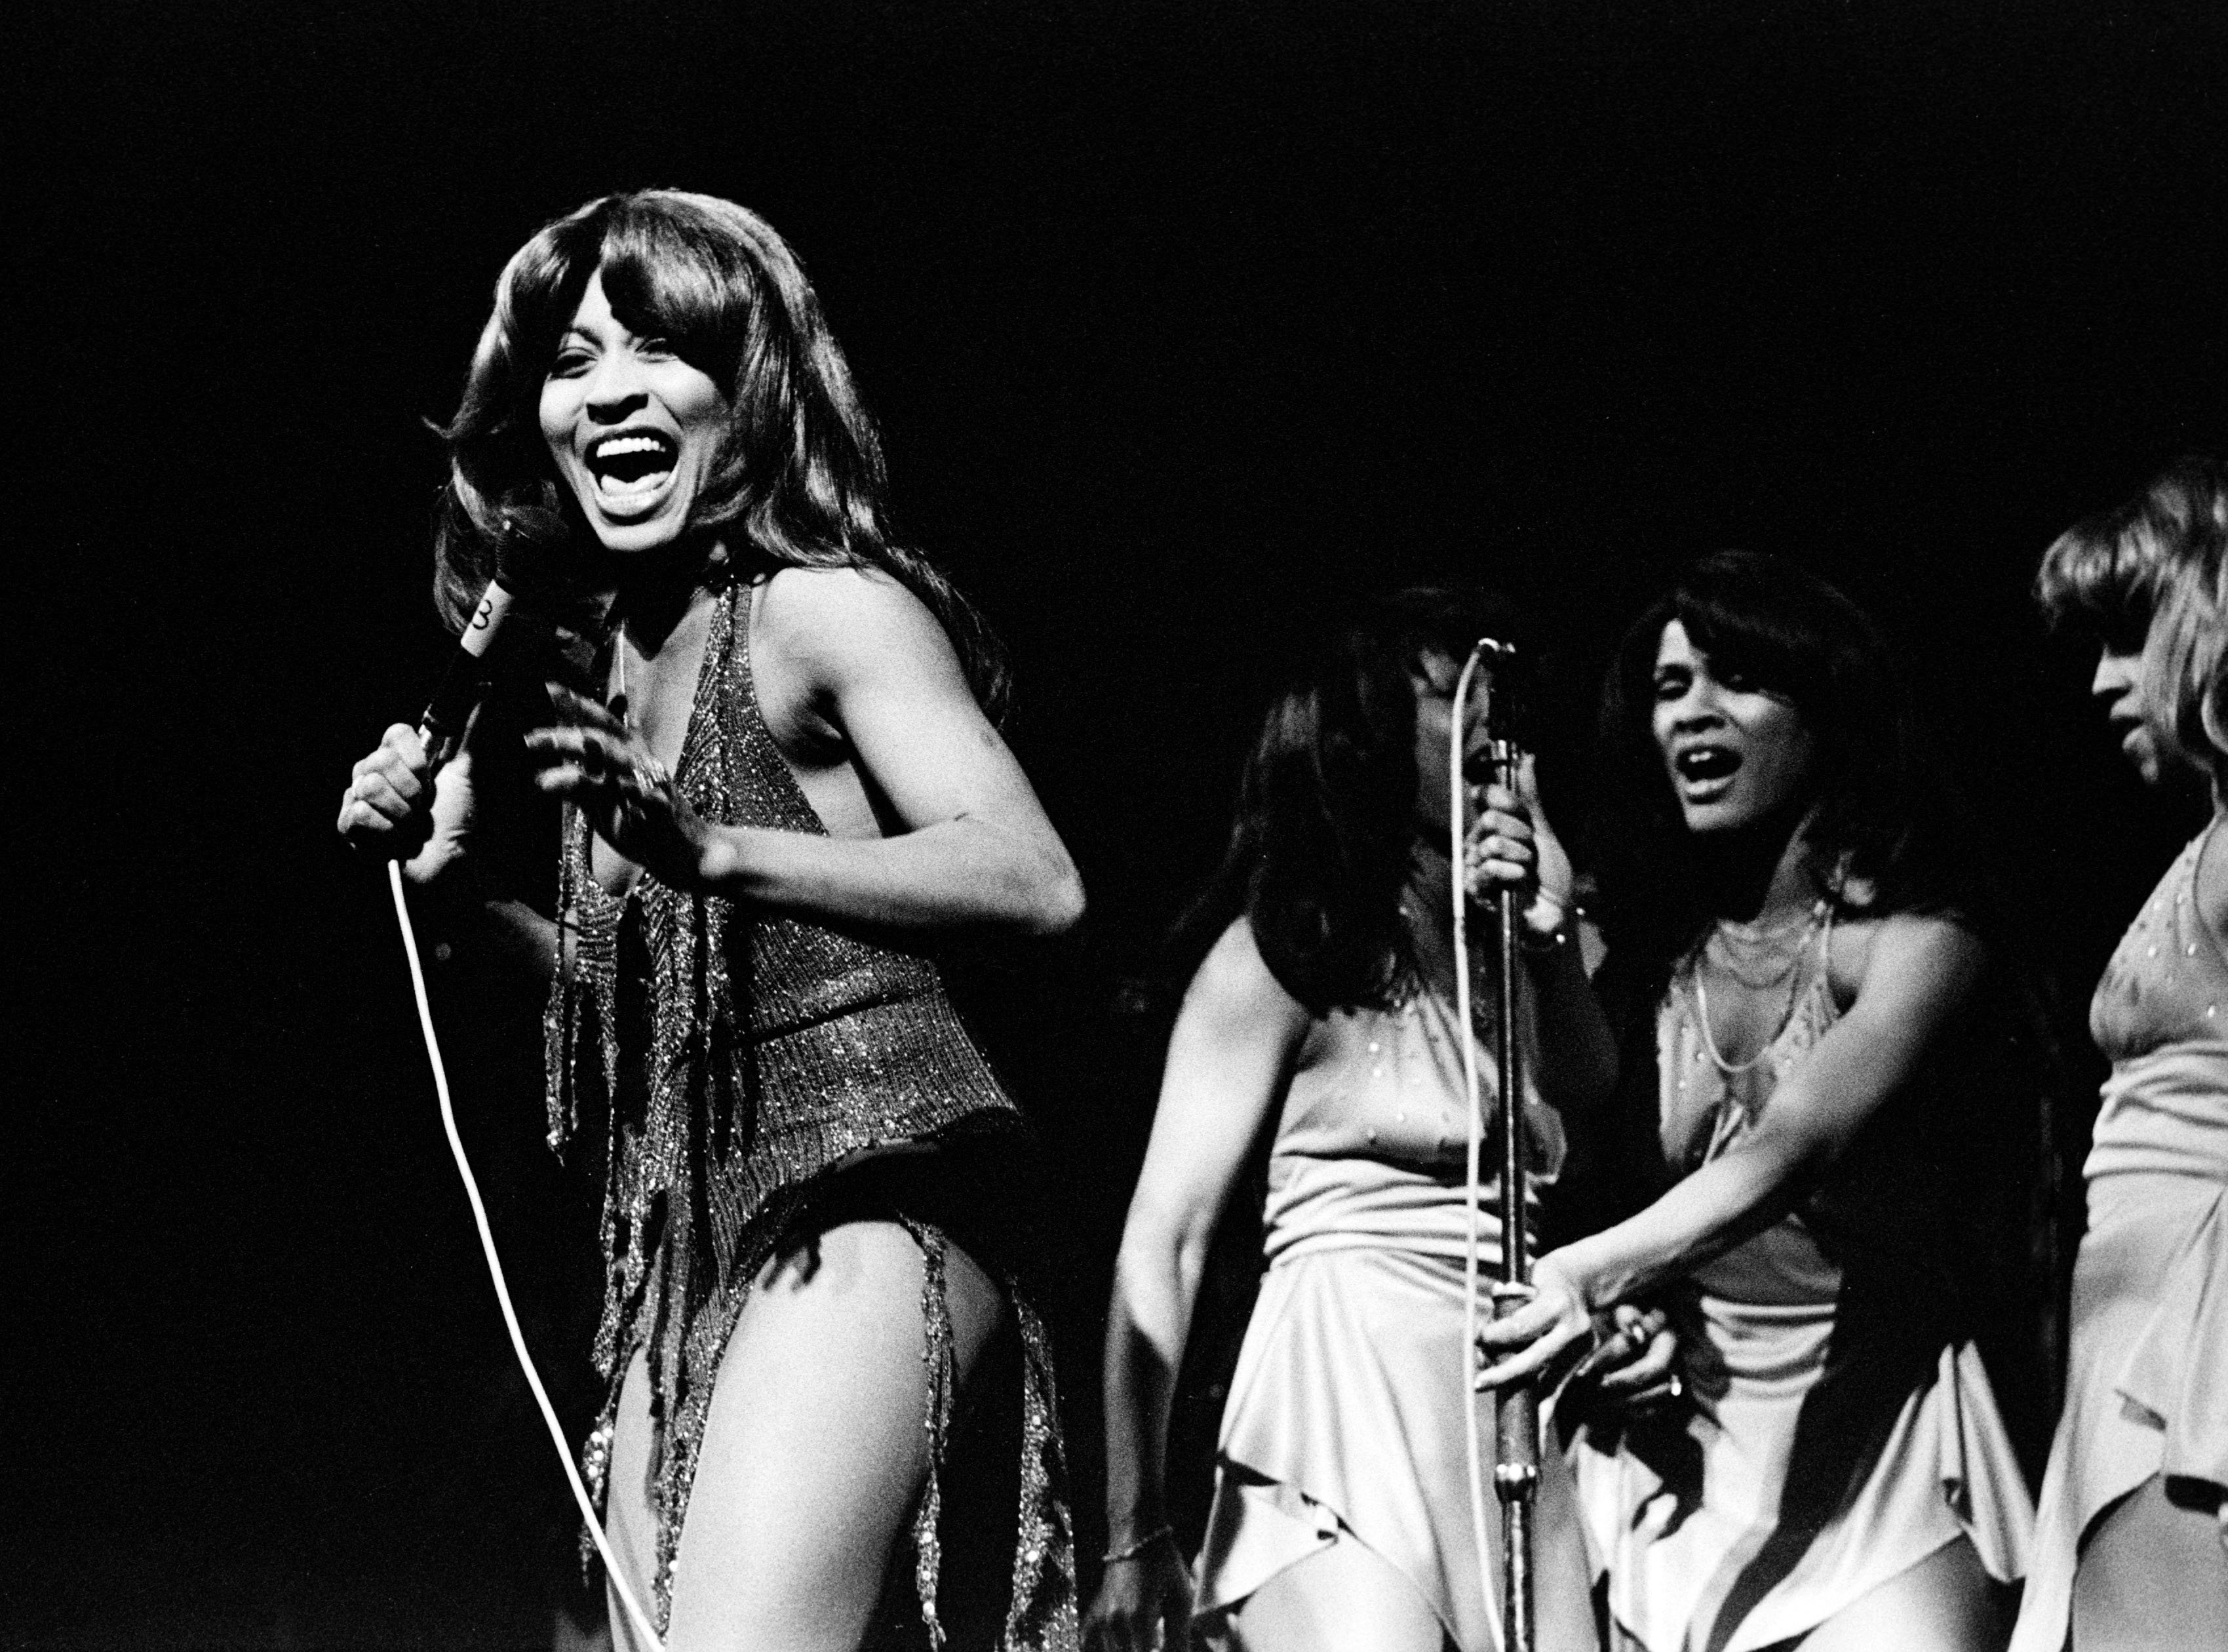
<point x="814" y="1451"/>
<point x="1946" y="1602"/>
<point x="2153" y="1575"/>
<point x="1350" y="1598"/>
<point x="1344" y="1598"/>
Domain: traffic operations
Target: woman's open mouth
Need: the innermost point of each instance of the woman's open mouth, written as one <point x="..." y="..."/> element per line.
<point x="632" y="470"/>
<point x="1705" y="772"/>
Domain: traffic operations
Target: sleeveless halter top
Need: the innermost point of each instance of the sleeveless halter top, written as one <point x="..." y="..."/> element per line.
<point x="743" y="1054"/>
<point x="1705" y="1106"/>
<point x="1889" y="1208"/>
<point x="2161" y="1016"/>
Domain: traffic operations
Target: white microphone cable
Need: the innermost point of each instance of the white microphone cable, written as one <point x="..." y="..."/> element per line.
<point x="1457" y="827"/>
<point x="642" y="1623"/>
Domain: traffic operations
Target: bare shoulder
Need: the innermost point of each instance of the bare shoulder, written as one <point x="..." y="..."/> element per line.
<point x="1234" y="981"/>
<point x="824" y="621"/>
<point x="2212" y="880"/>
<point x="1906" y="960"/>
<point x="826" y="641"/>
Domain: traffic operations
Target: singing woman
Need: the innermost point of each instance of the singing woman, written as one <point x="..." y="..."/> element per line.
<point x="2131" y="1546"/>
<point x="1795" y="937"/>
<point x="786" y="781"/>
<point x="1324" y="1011"/>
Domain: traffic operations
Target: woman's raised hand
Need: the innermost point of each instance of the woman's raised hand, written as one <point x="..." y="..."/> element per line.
<point x="1511" y="846"/>
<point x="1144" y="1601"/>
<point x="394" y="808"/>
<point x="591" y="758"/>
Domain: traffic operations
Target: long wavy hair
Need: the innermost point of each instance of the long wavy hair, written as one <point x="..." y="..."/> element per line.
<point x="1326" y="822"/>
<point x="799" y="480"/>
<point x="1884" y="820"/>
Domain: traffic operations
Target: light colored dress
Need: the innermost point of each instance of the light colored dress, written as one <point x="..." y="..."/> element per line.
<point x="2146" y="1383"/>
<point x="1843" y="1430"/>
<point x="1345" y="1419"/>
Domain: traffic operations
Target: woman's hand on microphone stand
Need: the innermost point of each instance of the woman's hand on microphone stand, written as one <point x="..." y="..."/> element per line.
<point x="1511" y="846"/>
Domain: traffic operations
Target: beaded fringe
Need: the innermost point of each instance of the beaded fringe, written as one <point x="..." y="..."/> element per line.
<point x="1040" y="1615"/>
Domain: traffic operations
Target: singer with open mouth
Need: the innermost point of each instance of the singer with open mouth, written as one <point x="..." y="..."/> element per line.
<point x="1323" y="1012"/>
<point x="786" y="781"/>
<point x="2131" y="1544"/>
<point x="1808" y="1056"/>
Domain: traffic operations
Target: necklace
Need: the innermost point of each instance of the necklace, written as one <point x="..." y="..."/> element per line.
<point x="1786" y="970"/>
<point x="1757" y="958"/>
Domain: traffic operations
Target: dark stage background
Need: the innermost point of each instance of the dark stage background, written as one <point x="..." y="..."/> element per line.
<point x="1187" y="324"/>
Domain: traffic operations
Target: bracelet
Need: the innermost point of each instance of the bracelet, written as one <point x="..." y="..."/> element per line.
<point x="1540" y="945"/>
<point x="1555" y="938"/>
<point x="1115" y="1557"/>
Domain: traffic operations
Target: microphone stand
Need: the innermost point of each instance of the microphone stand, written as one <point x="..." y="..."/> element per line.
<point x="1516" y="1411"/>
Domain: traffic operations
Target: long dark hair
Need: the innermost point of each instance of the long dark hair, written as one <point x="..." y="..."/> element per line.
<point x="1326" y="818"/>
<point x="800" y="480"/>
<point x="1884" y="820"/>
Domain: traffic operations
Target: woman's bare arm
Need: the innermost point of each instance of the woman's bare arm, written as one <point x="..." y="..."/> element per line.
<point x="966" y="842"/>
<point x="1918" y="973"/>
<point x="1228" y="1060"/>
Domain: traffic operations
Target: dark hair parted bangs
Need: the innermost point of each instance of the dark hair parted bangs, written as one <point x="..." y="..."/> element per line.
<point x="2104" y="577"/>
<point x="1326" y="820"/>
<point x="1883" y="820"/>
<point x="799" y="480"/>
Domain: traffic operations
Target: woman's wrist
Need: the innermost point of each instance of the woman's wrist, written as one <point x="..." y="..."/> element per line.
<point x="1146" y="1539"/>
<point x="1582" y="1273"/>
<point x="1547" y="924"/>
<point x="444" y="872"/>
<point x="715" y="858"/>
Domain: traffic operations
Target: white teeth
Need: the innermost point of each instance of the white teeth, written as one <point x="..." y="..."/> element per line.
<point x="621" y="446"/>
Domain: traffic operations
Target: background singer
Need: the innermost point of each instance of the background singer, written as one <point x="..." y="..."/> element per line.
<point x="1324" y="1011"/>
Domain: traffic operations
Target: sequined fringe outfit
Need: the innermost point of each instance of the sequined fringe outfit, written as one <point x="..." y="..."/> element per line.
<point x="757" y="1053"/>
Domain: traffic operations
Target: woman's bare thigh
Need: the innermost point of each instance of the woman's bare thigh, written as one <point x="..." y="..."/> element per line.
<point x="1344" y="1598"/>
<point x="814" y="1451"/>
<point x="2152" y="1575"/>
<point x="1945" y="1603"/>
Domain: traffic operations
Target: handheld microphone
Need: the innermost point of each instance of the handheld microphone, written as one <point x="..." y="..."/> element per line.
<point x="442" y="725"/>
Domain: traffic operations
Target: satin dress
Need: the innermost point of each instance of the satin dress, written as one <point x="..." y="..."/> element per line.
<point x="2147" y="1379"/>
<point x="1843" y="1430"/>
<point x="1344" y="1417"/>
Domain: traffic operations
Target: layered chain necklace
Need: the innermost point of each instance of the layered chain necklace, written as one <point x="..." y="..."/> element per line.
<point x="1759" y="958"/>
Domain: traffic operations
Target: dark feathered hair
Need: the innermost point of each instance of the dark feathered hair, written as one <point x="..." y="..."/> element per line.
<point x="800" y="480"/>
<point x="1884" y="819"/>
<point x="1326" y="816"/>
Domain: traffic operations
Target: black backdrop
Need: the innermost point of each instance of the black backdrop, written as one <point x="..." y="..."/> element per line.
<point x="1184" y="323"/>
